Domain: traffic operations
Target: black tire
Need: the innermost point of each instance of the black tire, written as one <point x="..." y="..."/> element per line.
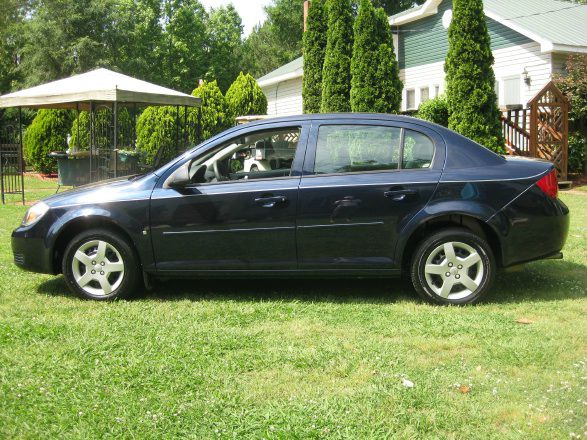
<point x="122" y="284"/>
<point x="430" y="285"/>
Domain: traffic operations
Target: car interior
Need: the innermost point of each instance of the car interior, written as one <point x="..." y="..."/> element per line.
<point x="271" y="154"/>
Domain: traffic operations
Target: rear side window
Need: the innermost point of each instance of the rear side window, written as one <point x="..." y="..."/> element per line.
<point x="355" y="148"/>
<point x="363" y="148"/>
<point x="418" y="150"/>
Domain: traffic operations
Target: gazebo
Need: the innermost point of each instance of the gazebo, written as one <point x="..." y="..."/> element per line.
<point x="107" y="96"/>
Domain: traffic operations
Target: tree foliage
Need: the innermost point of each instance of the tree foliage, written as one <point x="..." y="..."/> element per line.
<point x="80" y="130"/>
<point x="392" y="7"/>
<point x="314" y="41"/>
<point x="336" y="75"/>
<point x="158" y="136"/>
<point x="574" y="85"/>
<point x="213" y="116"/>
<point x="245" y="97"/>
<point x="47" y="133"/>
<point x="375" y="83"/>
<point x="472" y="101"/>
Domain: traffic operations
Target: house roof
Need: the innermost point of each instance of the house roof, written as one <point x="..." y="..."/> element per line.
<point x="100" y="85"/>
<point x="291" y="70"/>
<point x="558" y="26"/>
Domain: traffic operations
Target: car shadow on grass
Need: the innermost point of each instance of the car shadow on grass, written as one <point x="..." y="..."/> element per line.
<point x="543" y="281"/>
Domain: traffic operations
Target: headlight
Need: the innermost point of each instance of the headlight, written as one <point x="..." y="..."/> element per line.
<point x="34" y="214"/>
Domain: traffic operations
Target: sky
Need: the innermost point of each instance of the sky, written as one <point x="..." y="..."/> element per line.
<point x="251" y="11"/>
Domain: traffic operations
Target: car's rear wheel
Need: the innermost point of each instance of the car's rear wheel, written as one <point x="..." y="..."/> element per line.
<point x="99" y="264"/>
<point x="453" y="266"/>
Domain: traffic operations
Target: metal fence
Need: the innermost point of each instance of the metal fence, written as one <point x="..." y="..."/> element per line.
<point x="11" y="162"/>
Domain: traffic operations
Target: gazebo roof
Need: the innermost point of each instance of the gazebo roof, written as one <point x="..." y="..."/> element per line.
<point x="99" y="86"/>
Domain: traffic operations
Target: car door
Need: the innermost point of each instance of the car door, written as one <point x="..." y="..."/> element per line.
<point x="362" y="181"/>
<point x="246" y="222"/>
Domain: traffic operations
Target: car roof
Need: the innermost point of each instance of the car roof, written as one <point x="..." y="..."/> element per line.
<point x="334" y="116"/>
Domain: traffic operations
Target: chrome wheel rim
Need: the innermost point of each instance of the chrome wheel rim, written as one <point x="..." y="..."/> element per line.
<point x="98" y="268"/>
<point x="454" y="270"/>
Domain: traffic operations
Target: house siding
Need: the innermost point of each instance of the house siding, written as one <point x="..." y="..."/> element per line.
<point x="426" y="41"/>
<point x="284" y="98"/>
<point x="510" y="63"/>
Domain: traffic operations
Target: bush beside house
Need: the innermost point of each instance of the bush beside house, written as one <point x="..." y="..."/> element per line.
<point x="472" y="102"/>
<point x="213" y="116"/>
<point x="435" y="110"/>
<point x="47" y="132"/>
<point x="336" y="75"/>
<point x="156" y="130"/>
<point x="314" y="41"/>
<point x="375" y="83"/>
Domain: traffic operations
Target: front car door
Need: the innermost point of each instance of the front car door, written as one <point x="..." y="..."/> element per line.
<point x="239" y="211"/>
<point x="362" y="182"/>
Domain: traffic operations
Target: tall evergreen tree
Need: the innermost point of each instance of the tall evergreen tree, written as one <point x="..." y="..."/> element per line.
<point x="336" y="74"/>
<point x="375" y="83"/>
<point x="245" y="97"/>
<point x="472" y="101"/>
<point x="213" y="115"/>
<point x="314" y="51"/>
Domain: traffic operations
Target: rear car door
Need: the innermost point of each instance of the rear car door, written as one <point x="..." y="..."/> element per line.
<point x="362" y="181"/>
<point x="233" y="217"/>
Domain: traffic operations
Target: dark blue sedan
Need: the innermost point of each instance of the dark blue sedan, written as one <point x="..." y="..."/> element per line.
<point x="343" y="195"/>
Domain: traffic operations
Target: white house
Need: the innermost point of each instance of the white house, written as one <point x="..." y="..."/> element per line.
<point x="530" y="39"/>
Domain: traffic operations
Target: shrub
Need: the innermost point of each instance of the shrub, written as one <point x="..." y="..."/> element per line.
<point x="336" y="74"/>
<point x="103" y="120"/>
<point x="574" y="85"/>
<point x="213" y="115"/>
<point x="157" y="134"/>
<point x="245" y="97"/>
<point x="472" y="102"/>
<point x="314" y="40"/>
<point x="47" y="133"/>
<point x="375" y="83"/>
<point x="435" y="110"/>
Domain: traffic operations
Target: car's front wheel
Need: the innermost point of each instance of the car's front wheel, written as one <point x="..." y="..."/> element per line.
<point x="99" y="264"/>
<point x="453" y="266"/>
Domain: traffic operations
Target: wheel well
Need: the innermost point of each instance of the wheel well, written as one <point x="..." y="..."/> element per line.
<point x="446" y="221"/>
<point x="78" y="225"/>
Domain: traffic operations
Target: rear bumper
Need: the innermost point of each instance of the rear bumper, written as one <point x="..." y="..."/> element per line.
<point x="532" y="227"/>
<point x="30" y="253"/>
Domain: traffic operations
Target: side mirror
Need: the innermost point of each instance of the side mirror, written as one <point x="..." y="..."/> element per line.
<point x="179" y="178"/>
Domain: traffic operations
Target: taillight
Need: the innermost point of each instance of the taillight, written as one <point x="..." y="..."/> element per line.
<point x="549" y="184"/>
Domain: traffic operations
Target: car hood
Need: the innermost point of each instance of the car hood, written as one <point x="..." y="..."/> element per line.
<point x="107" y="191"/>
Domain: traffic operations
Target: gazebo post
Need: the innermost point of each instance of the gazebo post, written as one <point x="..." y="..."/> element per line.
<point x="176" y="126"/>
<point x="185" y="127"/>
<point x="21" y="152"/>
<point x="115" y="122"/>
<point x="77" y="127"/>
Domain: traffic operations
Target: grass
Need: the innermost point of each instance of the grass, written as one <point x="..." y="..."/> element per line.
<point x="304" y="359"/>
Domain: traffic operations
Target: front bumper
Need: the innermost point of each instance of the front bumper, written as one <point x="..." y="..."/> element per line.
<point x="30" y="252"/>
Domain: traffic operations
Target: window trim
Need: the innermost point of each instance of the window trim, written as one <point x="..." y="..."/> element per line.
<point x="313" y="147"/>
<point x="415" y="107"/>
<point x="297" y="160"/>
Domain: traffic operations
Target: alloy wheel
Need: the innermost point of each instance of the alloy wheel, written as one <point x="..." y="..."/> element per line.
<point x="454" y="270"/>
<point x="98" y="267"/>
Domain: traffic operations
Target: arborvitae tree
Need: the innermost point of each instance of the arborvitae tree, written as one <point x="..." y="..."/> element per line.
<point x="336" y="74"/>
<point x="80" y="130"/>
<point x="158" y="132"/>
<point x="245" y="97"/>
<point x="213" y="116"/>
<point x="375" y="84"/>
<point x="47" y="133"/>
<point x="314" y="50"/>
<point x="472" y="102"/>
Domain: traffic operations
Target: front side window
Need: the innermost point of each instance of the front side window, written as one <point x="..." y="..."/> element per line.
<point x="257" y="155"/>
<point x="356" y="148"/>
<point x="363" y="148"/>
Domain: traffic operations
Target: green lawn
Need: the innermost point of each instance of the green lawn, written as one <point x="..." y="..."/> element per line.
<point x="296" y="359"/>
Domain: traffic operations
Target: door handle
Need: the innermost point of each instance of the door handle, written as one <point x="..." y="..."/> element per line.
<point x="399" y="195"/>
<point x="270" y="202"/>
